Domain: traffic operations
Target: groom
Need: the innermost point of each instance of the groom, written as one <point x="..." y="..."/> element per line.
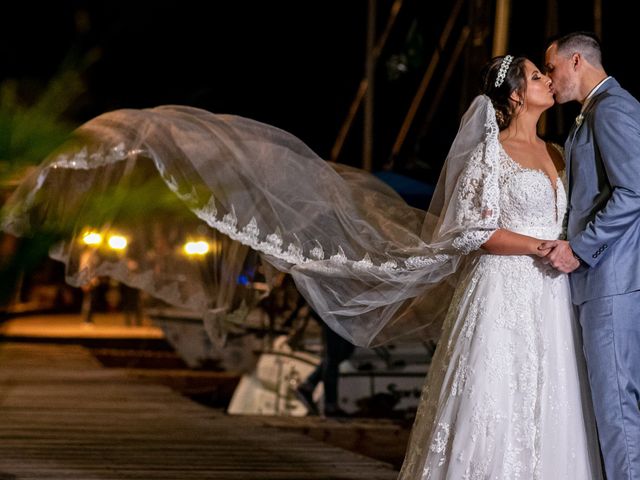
<point x="603" y="248"/>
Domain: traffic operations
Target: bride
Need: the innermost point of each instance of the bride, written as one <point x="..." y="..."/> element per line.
<point x="506" y="396"/>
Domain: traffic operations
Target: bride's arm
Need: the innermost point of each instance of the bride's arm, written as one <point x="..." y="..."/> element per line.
<point x="505" y="242"/>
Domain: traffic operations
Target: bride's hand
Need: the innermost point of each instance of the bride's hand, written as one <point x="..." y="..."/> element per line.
<point x="542" y="250"/>
<point x="561" y="256"/>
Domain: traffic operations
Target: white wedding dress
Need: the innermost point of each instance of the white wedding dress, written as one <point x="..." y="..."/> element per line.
<point x="507" y="395"/>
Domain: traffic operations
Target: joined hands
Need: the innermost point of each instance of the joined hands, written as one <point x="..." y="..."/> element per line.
<point x="559" y="255"/>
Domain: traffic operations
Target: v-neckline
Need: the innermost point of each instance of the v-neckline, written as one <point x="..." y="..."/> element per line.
<point x="553" y="184"/>
<point x="550" y="182"/>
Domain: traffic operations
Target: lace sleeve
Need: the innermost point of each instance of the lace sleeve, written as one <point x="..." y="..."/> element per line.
<point x="477" y="201"/>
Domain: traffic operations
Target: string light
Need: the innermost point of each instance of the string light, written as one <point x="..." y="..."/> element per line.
<point x="196" y="248"/>
<point x="92" y="238"/>
<point x="117" y="242"/>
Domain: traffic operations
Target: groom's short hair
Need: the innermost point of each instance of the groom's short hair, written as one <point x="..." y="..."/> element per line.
<point x="585" y="43"/>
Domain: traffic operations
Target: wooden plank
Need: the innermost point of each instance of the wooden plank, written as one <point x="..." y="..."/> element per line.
<point x="64" y="416"/>
<point x="66" y="326"/>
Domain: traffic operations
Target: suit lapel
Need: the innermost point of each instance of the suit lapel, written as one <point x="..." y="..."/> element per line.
<point x="567" y="154"/>
<point x="575" y="128"/>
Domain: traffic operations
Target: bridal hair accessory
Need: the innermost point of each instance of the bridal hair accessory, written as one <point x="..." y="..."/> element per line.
<point x="502" y="73"/>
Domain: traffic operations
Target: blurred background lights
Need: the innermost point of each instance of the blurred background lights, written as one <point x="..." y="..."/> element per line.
<point x="117" y="242"/>
<point x="92" y="238"/>
<point x="196" y="248"/>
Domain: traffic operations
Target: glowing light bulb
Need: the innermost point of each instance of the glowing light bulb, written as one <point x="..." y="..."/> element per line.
<point x="92" y="238"/>
<point x="117" y="242"/>
<point x="196" y="248"/>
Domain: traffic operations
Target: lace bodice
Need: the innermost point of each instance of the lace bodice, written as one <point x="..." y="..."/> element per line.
<point x="502" y="194"/>
<point x="529" y="202"/>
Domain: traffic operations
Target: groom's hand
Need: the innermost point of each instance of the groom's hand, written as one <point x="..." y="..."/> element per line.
<point x="561" y="256"/>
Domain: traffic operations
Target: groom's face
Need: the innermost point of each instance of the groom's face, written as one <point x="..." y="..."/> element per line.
<point x="559" y="69"/>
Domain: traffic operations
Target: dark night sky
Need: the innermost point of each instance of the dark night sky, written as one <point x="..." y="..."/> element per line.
<point x="294" y="64"/>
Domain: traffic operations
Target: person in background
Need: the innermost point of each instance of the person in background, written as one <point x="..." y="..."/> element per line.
<point x="335" y="350"/>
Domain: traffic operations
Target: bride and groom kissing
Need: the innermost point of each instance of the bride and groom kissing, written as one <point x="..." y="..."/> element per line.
<point x="530" y="361"/>
<point x="527" y="264"/>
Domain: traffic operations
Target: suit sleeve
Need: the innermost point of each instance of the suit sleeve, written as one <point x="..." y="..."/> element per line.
<point x="617" y="136"/>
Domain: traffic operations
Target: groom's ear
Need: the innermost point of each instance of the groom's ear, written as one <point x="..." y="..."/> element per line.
<point x="576" y="60"/>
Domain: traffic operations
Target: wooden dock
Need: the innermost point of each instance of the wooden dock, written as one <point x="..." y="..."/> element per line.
<point x="64" y="416"/>
<point x="70" y="328"/>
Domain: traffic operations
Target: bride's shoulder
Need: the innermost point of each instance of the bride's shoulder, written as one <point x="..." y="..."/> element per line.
<point x="557" y="155"/>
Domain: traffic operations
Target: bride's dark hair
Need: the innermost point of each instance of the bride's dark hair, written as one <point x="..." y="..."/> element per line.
<point x="514" y="81"/>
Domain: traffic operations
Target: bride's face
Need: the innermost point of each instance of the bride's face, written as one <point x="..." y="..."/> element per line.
<point x="539" y="87"/>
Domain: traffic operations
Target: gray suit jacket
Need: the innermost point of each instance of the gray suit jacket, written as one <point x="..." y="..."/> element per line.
<point x="603" y="169"/>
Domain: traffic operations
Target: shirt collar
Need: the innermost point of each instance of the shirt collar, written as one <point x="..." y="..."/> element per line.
<point x="593" y="91"/>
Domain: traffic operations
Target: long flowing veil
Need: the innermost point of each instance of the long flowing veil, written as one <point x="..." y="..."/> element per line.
<point x="372" y="266"/>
